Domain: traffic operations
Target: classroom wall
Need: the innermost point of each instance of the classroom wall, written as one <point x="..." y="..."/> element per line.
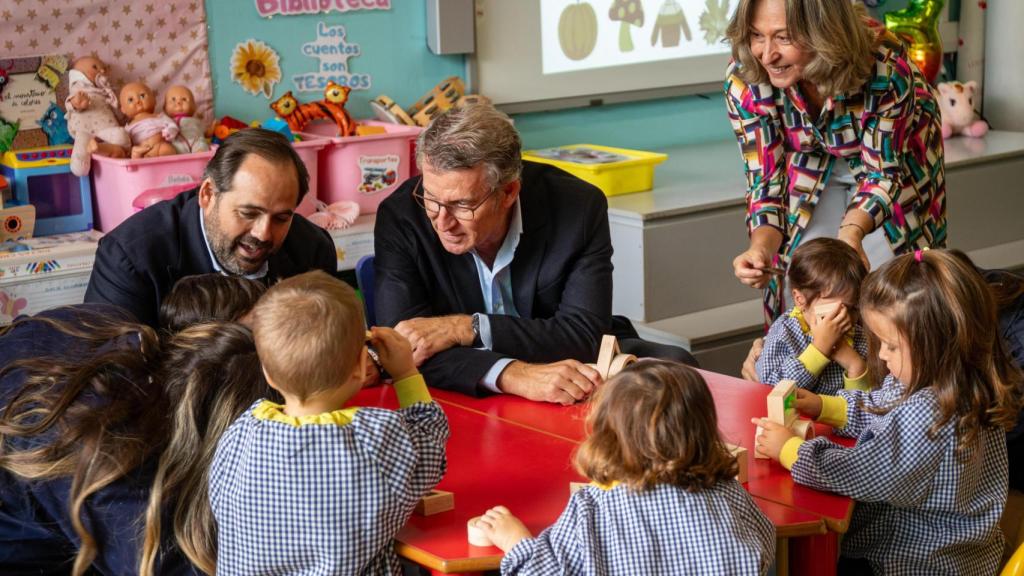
<point x="395" y="53"/>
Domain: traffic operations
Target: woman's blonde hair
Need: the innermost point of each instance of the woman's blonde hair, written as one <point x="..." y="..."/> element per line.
<point x="655" y="423"/>
<point x="945" y="314"/>
<point x="836" y="32"/>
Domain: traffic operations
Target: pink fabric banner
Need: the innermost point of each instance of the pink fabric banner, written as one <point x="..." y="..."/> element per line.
<point x="161" y="43"/>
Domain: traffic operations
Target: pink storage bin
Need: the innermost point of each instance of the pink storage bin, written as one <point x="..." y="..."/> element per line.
<point x="363" y="169"/>
<point x="119" y="183"/>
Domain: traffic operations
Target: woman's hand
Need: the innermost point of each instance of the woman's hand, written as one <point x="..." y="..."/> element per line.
<point x="853" y="230"/>
<point x="748" y="266"/>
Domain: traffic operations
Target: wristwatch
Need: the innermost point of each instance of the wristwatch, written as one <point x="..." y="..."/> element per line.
<point x="475" y="323"/>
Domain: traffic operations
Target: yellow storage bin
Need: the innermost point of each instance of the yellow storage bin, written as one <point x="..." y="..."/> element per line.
<point x="613" y="170"/>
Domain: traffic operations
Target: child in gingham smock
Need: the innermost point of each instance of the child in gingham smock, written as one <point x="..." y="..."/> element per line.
<point x="311" y="487"/>
<point x="825" y="355"/>
<point x="929" y="469"/>
<point x="664" y="498"/>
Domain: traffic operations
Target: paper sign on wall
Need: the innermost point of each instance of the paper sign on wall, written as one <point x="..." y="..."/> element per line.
<point x="333" y="52"/>
<point x="268" y="8"/>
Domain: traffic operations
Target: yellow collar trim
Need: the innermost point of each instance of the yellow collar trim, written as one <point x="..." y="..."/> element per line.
<point x="606" y="487"/>
<point x="267" y="410"/>
<point x="798" y="313"/>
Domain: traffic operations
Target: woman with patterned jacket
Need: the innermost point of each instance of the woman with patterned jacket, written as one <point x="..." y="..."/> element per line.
<point x="840" y="135"/>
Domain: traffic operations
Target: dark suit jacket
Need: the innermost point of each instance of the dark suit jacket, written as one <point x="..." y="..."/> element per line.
<point x="138" y="262"/>
<point x="561" y="277"/>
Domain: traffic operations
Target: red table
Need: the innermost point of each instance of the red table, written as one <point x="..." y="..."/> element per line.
<point x="511" y="451"/>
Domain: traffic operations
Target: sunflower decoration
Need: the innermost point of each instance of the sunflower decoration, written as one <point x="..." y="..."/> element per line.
<point x="254" y="66"/>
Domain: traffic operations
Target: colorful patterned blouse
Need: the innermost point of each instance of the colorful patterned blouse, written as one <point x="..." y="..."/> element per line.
<point x="889" y="132"/>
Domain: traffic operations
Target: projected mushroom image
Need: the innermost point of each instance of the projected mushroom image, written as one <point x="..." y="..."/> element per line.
<point x="714" y="20"/>
<point x="629" y="13"/>
<point x="577" y="30"/>
<point x="669" y="23"/>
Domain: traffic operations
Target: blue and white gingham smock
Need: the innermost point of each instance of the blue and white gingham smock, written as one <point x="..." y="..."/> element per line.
<point x="920" y="509"/>
<point x="324" y="498"/>
<point x="786" y="340"/>
<point x="664" y="530"/>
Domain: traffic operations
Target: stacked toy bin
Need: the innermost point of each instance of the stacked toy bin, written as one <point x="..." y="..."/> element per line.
<point x="118" y="183"/>
<point x="363" y="169"/>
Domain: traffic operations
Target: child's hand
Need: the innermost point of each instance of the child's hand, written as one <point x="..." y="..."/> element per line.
<point x="504" y="529"/>
<point x="371" y="376"/>
<point x="773" y="437"/>
<point x="852" y="362"/>
<point x="395" y="352"/>
<point x="828" y="331"/>
<point x="808" y="403"/>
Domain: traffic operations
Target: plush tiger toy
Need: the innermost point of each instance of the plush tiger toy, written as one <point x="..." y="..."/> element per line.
<point x="332" y="107"/>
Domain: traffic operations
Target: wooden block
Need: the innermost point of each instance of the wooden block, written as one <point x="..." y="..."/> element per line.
<point x="619" y="363"/>
<point x="782" y="403"/>
<point x="575" y="487"/>
<point x="434" y="502"/>
<point x="17" y="222"/>
<point x="475" y="535"/>
<point x="821" y="311"/>
<point x="803" y="428"/>
<point x="609" y="348"/>
<point x="756" y="453"/>
<point x="740" y="453"/>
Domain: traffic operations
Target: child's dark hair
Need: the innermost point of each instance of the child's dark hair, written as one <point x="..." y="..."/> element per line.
<point x="946" y="315"/>
<point x="826" y="267"/>
<point x="207" y="298"/>
<point x="655" y="423"/>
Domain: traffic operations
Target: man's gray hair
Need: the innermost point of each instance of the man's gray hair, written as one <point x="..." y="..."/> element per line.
<point x="471" y="135"/>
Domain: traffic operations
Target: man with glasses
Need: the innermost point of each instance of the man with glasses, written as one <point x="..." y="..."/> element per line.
<point x="498" y="271"/>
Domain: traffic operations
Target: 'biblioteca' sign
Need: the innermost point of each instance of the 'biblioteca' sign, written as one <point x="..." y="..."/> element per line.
<point x="268" y="8"/>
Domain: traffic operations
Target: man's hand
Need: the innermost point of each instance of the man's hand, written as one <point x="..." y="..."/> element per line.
<point x="565" y="382"/>
<point x="828" y="331"/>
<point x="773" y="437"/>
<point x="808" y="403"/>
<point x="429" y="336"/>
<point x="749" y="370"/>
<point x="502" y="528"/>
<point x="394" y="351"/>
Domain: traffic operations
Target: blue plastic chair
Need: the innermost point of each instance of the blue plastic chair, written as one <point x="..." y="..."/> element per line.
<point x="364" y="278"/>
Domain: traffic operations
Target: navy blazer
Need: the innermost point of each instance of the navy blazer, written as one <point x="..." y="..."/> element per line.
<point x="561" y="277"/>
<point x="139" y="261"/>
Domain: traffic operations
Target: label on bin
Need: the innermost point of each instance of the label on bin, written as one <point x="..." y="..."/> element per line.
<point x="378" y="173"/>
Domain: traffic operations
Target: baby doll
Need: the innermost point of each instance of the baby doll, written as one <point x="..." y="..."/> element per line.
<point x="180" y="105"/>
<point x="151" y="134"/>
<point x="92" y="122"/>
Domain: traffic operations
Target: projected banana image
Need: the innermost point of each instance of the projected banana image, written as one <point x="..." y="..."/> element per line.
<point x="668" y="25"/>
<point x="577" y="30"/>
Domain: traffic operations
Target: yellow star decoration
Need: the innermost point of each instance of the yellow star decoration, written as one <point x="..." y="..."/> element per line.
<point x="254" y="66"/>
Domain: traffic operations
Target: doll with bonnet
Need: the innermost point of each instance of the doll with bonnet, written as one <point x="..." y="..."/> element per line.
<point x="92" y="122"/>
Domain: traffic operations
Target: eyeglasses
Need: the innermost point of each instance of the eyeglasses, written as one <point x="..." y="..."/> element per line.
<point x="457" y="211"/>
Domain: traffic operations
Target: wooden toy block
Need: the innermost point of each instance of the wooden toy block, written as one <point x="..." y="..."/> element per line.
<point x="575" y="487"/>
<point x="619" y="363"/>
<point x="782" y="403"/>
<point x="822" y="311"/>
<point x="740" y="453"/>
<point x="475" y="535"/>
<point x="609" y="348"/>
<point x="17" y="222"/>
<point x="756" y="453"/>
<point x="804" y="429"/>
<point x="434" y="502"/>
